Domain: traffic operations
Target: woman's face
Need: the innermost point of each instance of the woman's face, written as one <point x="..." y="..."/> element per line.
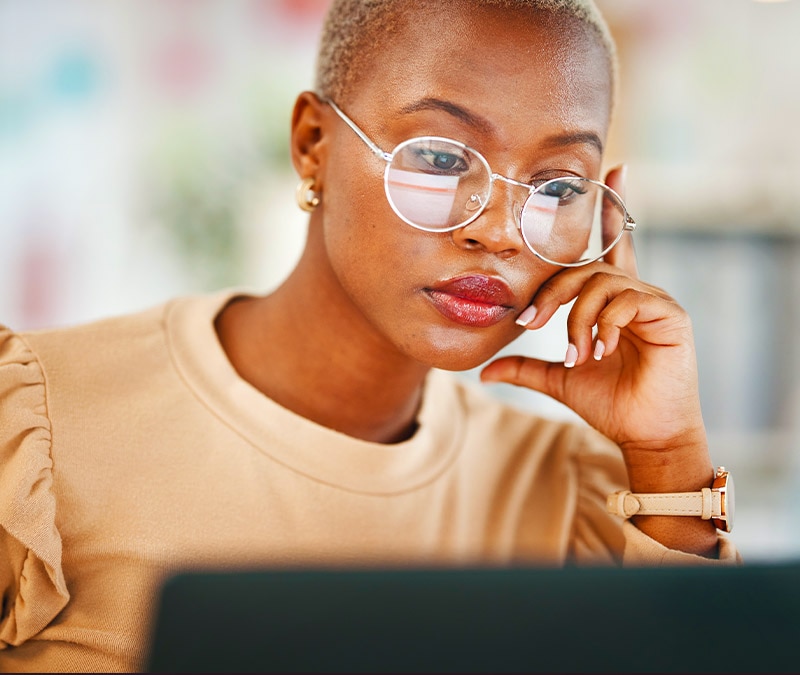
<point x="533" y="99"/>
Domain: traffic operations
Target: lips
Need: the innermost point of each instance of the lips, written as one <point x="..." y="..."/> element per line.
<point x="475" y="300"/>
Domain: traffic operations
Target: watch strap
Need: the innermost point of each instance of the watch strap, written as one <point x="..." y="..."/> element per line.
<point x="706" y="503"/>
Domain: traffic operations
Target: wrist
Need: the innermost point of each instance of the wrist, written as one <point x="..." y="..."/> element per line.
<point x="684" y="468"/>
<point x="713" y="503"/>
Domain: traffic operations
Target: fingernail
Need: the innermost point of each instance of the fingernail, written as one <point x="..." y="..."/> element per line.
<point x="527" y="316"/>
<point x="571" y="357"/>
<point x="599" y="350"/>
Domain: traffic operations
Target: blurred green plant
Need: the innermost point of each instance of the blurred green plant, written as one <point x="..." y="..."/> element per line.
<point x="194" y="200"/>
<point x="199" y="176"/>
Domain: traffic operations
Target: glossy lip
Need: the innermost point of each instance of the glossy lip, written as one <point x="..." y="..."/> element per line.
<point x="474" y="300"/>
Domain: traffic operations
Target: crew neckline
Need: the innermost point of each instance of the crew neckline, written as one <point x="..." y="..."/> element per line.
<point x="317" y="452"/>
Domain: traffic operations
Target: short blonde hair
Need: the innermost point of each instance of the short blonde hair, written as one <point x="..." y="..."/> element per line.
<point x="353" y="27"/>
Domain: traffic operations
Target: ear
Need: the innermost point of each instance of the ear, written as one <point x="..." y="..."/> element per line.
<point x="308" y="138"/>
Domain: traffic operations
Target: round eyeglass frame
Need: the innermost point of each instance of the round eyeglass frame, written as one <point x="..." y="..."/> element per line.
<point x="629" y="225"/>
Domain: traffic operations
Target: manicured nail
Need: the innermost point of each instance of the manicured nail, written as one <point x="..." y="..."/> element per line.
<point x="599" y="350"/>
<point x="527" y="316"/>
<point x="571" y="357"/>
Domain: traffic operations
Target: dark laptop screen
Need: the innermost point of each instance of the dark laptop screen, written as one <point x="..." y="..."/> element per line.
<point x="697" y="619"/>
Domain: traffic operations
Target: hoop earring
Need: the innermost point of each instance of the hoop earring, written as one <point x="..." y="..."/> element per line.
<point x="307" y="199"/>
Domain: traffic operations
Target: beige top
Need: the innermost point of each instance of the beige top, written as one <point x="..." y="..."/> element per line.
<point x="130" y="448"/>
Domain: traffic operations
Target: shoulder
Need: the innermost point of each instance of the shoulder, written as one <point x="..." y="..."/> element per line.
<point x="515" y="424"/>
<point x="111" y="338"/>
<point x="552" y="475"/>
<point x="505" y="438"/>
<point x="126" y="348"/>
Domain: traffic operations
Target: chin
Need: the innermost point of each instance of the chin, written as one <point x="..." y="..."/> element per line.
<point x="460" y="361"/>
<point x="460" y="353"/>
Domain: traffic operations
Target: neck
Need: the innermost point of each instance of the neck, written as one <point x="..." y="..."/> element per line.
<point x="306" y="350"/>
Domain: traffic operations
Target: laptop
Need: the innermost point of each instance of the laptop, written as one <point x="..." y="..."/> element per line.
<point x="695" y="619"/>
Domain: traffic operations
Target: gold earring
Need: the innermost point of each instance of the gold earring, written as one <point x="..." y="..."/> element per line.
<point x="307" y="199"/>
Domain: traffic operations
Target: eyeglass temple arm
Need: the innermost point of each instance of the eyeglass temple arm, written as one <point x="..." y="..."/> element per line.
<point x="630" y="223"/>
<point x="387" y="157"/>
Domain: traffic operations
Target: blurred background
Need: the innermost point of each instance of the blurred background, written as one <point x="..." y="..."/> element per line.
<point x="144" y="154"/>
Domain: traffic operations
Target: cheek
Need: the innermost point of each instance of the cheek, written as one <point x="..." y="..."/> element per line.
<point x="365" y="241"/>
<point x="354" y="200"/>
<point x="364" y="238"/>
<point x="376" y="258"/>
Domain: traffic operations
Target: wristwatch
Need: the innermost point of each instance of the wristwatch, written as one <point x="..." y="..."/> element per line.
<point x="714" y="503"/>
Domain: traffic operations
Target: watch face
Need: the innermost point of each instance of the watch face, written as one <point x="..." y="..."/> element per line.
<point x="724" y="483"/>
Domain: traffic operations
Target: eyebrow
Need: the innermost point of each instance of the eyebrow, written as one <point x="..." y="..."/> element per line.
<point x="483" y="125"/>
<point x="575" y="138"/>
<point x="430" y="103"/>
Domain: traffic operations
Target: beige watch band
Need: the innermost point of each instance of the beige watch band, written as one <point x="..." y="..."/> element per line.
<point x="707" y="504"/>
<point x="715" y="503"/>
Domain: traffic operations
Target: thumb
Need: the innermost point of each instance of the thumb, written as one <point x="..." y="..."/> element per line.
<point x="542" y="376"/>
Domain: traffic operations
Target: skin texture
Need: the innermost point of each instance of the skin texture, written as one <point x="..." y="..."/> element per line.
<point x="347" y="340"/>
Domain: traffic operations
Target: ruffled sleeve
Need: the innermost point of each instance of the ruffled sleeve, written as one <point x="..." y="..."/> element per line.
<point x="31" y="578"/>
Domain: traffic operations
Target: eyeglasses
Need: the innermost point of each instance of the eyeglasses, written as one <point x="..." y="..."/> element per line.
<point x="438" y="185"/>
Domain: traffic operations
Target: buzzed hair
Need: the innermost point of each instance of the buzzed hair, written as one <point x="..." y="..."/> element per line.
<point x="354" y="28"/>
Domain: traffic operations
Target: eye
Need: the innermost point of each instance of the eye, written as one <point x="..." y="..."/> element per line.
<point x="564" y="189"/>
<point x="449" y="159"/>
<point x="443" y="160"/>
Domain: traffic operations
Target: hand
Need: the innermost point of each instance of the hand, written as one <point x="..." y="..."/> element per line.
<point x="637" y="381"/>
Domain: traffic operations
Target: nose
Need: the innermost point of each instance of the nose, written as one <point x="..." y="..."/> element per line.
<point x="495" y="230"/>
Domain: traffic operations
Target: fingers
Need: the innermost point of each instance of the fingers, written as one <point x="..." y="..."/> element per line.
<point x="605" y="299"/>
<point x="623" y="255"/>
<point x="521" y="371"/>
<point x="649" y="318"/>
<point x="598" y="278"/>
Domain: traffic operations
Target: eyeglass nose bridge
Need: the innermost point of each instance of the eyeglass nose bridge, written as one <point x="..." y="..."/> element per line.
<point x="477" y="204"/>
<point x="481" y="203"/>
<point x="499" y="176"/>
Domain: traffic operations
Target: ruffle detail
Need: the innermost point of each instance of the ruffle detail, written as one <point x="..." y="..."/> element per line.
<point x="31" y="577"/>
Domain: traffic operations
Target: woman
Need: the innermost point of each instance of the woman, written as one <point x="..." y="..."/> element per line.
<point x="315" y="425"/>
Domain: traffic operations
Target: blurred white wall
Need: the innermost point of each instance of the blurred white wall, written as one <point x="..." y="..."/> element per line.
<point x="143" y="153"/>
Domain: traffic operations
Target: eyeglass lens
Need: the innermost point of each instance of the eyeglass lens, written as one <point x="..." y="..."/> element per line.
<point x="438" y="185"/>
